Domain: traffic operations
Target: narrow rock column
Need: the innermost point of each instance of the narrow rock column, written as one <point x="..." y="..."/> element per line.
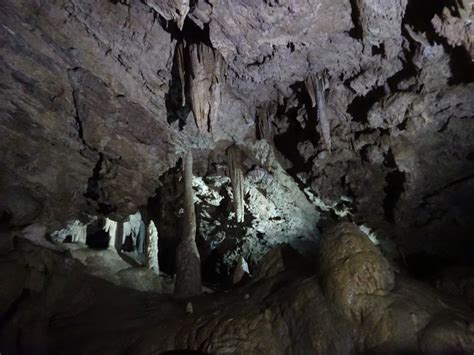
<point x="181" y="71"/>
<point x="310" y="88"/>
<point x="237" y="180"/>
<point x="119" y="237"/>
<point x="188" y="261"/>
<point x="321" y="85"/>
<point x="316" y="86"/>
<point x="264" y="123"/>
<point x="152" y="248"/>
<point x="111" y="228"/>
<point x="205" y="84"/>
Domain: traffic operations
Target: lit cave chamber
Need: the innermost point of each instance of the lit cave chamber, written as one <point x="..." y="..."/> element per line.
<point x="236" y="177"/>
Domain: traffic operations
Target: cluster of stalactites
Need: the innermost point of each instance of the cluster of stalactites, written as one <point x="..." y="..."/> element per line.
<point x="204" y="82"/>
<point x="265" y="115"/>
<point x="316" y="85"/>
<point x="188" y="261"/>
<point x="237" y="180"/>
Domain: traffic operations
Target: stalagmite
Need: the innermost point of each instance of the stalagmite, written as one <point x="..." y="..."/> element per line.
<point x="237" y="180"/>
<point x="182" y="71"/>
<point x="111" y="228"/>
<point x="264" y="123"/>
<point x="188" y="262"/>
<point x="152" y="248"/>
<point x="205" y="85"/>
<point x="317" y="86"/>
<point x="240" y="270"/>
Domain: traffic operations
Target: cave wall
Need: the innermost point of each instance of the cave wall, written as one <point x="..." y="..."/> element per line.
<point x="89" y="124"/>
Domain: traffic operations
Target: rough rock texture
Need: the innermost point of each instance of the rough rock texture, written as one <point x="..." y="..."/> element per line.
<point x="51" y="306"/>
<point x="353" y="267"/>
<point x="457" y="29"/>
<point x="90" y="105"/>
<point x="99" y="99"/>
<point x="234" y="158"/>
<point x="393" y="314"/>
<point x="206" y="75"/>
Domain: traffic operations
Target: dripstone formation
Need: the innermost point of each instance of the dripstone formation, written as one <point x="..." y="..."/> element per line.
<point x="236" y="176"/>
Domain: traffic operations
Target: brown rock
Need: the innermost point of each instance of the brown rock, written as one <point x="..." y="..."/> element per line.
<point x="353" y="268"/>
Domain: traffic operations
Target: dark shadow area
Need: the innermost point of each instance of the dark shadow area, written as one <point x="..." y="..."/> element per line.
<point x="94" y="188"/>
<point x="182" y="352"/>
<point x="393" y="190"/>
<point x="419" y="13"/>
<point x="287" y="143"/>
<point x="128" y="244"/>
<point x="462" y="67"/>
<point x="173" y="99"/>
<point x="361" y="105"/>
<point x="356" y="31"/>
<point x="424" y="266"/>
<point x="97" y="237"/>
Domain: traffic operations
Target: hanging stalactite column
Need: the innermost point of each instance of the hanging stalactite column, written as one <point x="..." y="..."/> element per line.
<point x="188" y="261"/>
<point x="237" y="179"/>
<point x="206" y="76"/>
<point x="316" y="85"/>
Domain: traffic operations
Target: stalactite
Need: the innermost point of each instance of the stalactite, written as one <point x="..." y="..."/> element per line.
<point x="205" y="85"/>
<point x="264" y="122"/>
<point x="176" y="10"/>
<point x="310" y="88"/>
<point x="188" y="262"/>
<point x="321" y="86"/>
<point x="317" y="86"/>
<point x="182" y="10"/>
<point x="237" y="180"/>
<point x="181" y="71"/>
<point x="152" y="248"/>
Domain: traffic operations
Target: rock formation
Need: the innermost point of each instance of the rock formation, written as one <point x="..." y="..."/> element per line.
<point x="234" y="158"/>
<point x="188" y="261"/>
<point x="301" y="115"/>
<point x="265" y="115"/>
<point x="206" y="76"/>
<point x="316" y="85"/>
<point x="152" y="248"/>
<point x="455" y="25"/>
<point x="181" y="71"/>
<point x="353" y="268"/>
<point x="283" y="311"/>
<point x="175" y="10"/>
